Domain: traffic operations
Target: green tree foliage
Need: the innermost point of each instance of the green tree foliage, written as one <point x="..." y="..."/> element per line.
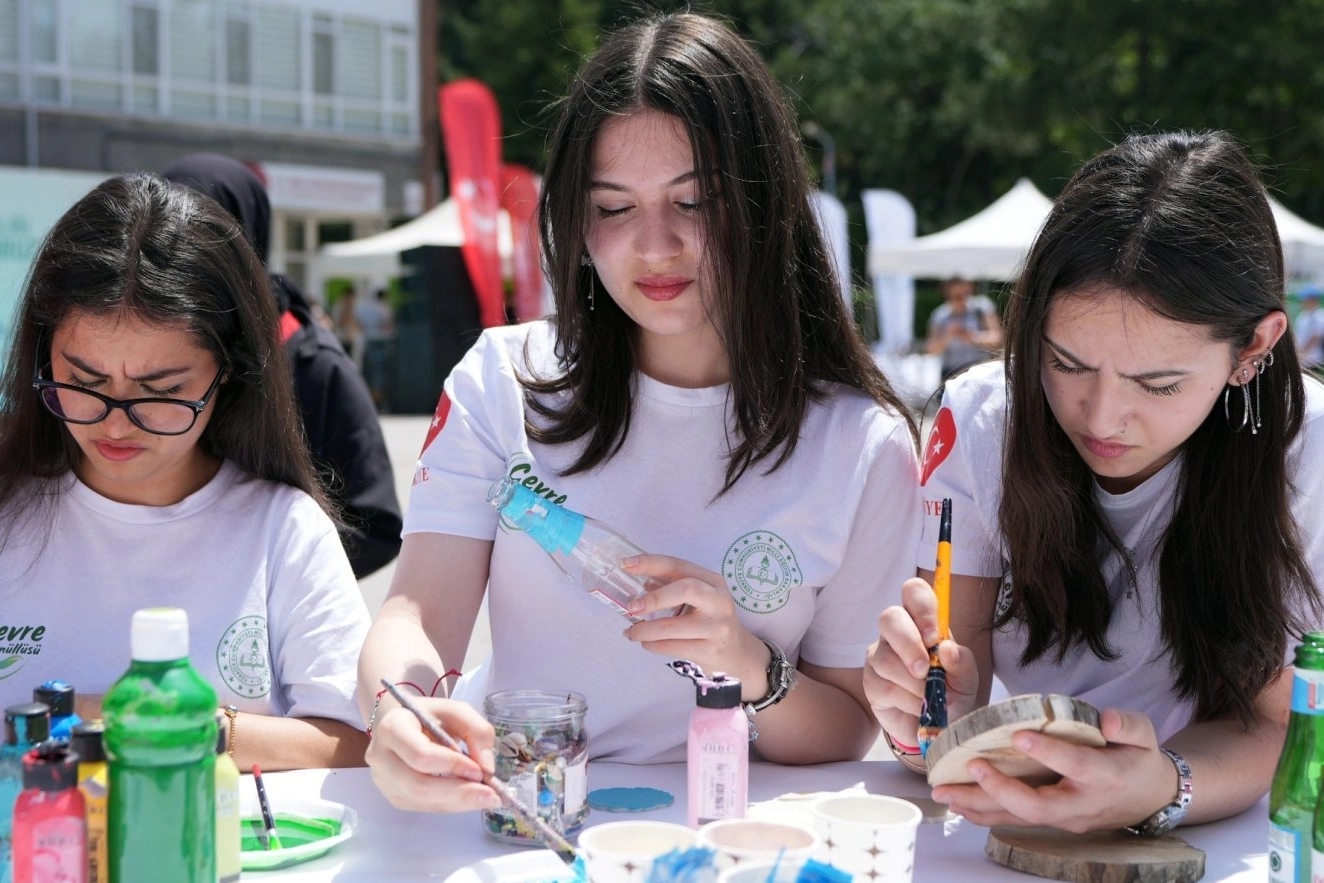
<point x="950" y="101"/>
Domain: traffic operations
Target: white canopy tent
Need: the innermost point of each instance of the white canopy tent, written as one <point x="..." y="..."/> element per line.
<point x="989" y="245"/>
<point x="1303" y="242"/>
<point x="379" y="255"/>
<point x="993" y="243"/>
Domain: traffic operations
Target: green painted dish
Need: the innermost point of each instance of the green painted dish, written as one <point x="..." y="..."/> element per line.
<point x="308" y="829"/>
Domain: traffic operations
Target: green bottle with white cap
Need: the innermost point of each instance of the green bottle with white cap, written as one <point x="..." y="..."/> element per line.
<point x="160" y="740"/>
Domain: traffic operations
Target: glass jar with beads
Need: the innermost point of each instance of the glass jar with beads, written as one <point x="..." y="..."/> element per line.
<point x="542" y="754"/>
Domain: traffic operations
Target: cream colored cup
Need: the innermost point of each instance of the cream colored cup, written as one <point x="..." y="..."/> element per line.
<point x="739" y="841"/>
<point x="760" y="872"/>
<point x="868" y="835"/>
<point x="623" y="852"/>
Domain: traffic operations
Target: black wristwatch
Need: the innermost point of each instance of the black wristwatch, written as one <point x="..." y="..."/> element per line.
<point x="781" y="679"/>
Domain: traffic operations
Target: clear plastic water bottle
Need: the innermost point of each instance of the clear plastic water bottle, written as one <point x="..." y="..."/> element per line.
<point x="585" y="548"/>
<point x="25" y="726"/>
<point x="160" y="741"/>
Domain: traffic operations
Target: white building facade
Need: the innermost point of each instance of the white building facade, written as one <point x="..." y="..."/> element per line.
<point x="325" y="96"/>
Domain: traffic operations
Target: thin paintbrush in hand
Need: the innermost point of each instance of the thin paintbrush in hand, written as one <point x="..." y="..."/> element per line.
<point x="933" y="715"/>
<point x="549" y="835"/>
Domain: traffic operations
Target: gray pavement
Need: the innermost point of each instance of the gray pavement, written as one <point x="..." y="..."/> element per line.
<point x="404" y="438"/>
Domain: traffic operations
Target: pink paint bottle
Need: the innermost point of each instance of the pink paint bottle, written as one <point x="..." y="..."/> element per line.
<point x="50" y="831"/>
<point x="718" y="759"/>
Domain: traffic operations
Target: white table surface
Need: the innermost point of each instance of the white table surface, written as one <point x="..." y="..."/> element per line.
<point x="391" y="845"/>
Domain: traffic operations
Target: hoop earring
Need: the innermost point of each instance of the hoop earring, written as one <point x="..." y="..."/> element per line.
<point x="1245" y="410"/>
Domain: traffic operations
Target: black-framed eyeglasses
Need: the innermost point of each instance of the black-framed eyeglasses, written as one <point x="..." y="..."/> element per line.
<point x="74" y="404"/>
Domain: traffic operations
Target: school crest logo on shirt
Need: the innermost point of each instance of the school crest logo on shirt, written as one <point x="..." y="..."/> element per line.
<point x="241" y="657"/>
<point x="760" y="570"/>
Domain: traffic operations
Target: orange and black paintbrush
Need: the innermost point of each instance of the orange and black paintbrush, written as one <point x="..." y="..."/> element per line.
<point x="933" y="714"/>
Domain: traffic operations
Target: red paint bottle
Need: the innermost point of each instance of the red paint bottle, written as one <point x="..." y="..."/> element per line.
<point x="50" y="831"/>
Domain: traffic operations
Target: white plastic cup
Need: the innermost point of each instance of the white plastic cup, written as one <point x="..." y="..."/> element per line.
<point x="868" y="835"/>
<point x="741" y="841"/>
<point x="760" y="872"/>
<point x="623" y="852"/>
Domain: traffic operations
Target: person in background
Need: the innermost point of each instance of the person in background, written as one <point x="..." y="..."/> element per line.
<point x="1136" y="493"/>
<point x="965" y="329"/>
<point x="345" y="312"/>
<point x="1308" y="328"/>
<point x="341" y="425"/>
<point x="150" y="455"/>
<point x="702" y="389"/>
<point x="378" y="325"/>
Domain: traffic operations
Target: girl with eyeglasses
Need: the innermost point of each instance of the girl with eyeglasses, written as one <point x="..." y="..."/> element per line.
<point x="150" y="455"/>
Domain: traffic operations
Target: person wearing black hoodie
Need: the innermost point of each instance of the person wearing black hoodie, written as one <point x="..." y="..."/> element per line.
<point x="339" y="419"/>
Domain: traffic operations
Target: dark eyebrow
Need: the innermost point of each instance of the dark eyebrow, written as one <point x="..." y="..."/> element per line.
<point x="1141" y="378"/>
<point x="679" y="179"/>
<point x="146" y="378"/>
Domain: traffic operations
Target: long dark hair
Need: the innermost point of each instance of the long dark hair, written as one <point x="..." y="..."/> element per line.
<point x="778" y="309"/>
<point x="1181" y="223"/>
<point x="139" y="246"/>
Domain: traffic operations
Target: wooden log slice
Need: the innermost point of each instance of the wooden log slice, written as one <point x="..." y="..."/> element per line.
<point x="986" y="733"/>
<point x="1100" y="857"/>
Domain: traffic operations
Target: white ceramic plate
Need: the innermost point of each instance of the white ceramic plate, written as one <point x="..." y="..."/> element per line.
<point x="532" y="866"/>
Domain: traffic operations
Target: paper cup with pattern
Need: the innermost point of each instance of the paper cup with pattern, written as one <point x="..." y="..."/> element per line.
<point x="623" y="852"/>
<point x="760" y="872"/>
<point x="739" y="841"/>
<point x="868" y="835"/>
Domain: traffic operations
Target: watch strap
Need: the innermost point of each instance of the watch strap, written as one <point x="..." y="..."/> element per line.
<point x="1174" y="813"/>
<point x="781" y="678"/>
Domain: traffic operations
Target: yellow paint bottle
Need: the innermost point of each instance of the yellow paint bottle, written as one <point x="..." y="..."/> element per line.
<point x="93" y="781"/>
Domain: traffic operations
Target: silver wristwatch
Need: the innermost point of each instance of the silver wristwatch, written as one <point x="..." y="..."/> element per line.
<point x="781" y="678"/>
<point x="1171" y="815"/>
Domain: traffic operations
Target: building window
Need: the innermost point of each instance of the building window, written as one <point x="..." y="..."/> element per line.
<point x="330" y="65"/>
<point x="324" y="64"/>
<point x="238" y="53"/>
<point x="43" y="33"/>
<point x="146" y="41"/>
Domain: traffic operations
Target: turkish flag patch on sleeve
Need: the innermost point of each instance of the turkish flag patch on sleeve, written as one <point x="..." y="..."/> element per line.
<point x="942" y="438"/>
<point x="438" y="421"/>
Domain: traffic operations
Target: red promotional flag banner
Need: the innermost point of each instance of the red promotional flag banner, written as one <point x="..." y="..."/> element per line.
<point x="471" y="134"/>
<point x="519" y="197"/>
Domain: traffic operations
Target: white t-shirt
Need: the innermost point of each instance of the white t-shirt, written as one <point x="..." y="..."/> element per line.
<point x="276" y="619"/>
<point x="964" y="462"/>
<point x="811" y="553"/>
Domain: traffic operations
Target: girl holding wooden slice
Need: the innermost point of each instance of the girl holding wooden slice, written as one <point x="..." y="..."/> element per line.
<point x="1135" y="494"/>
